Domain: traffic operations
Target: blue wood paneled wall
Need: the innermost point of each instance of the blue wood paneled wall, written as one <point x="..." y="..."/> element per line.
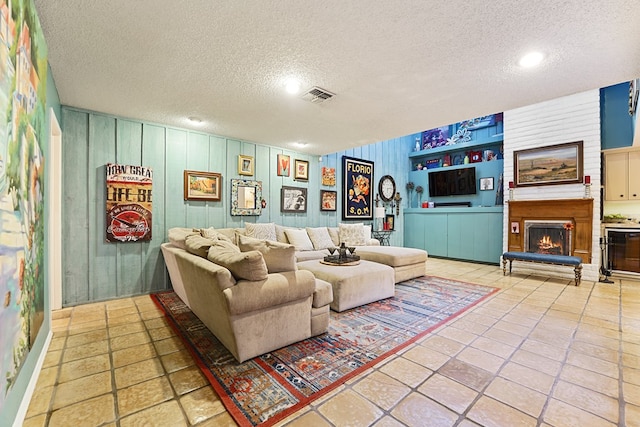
<point x="616" y="125"/>
<point x="95" y="270"/>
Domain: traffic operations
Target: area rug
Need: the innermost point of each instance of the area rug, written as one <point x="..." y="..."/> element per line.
<point x="268" y="388"/>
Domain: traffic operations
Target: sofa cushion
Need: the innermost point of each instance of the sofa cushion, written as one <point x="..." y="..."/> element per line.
<point x="198" y="245"/>
<point x="278" y="256"/>
<point x="281" y="236"/>
<point x="178" y="235"/>
<point x="214" y="234"/>
<point x="352" y="234"/>
<point x="307" y="255"/>
<point x="261" y="231"/>
<point x="242" y="265"/>
<point x="299" y="239"/>
<point x="323" y="294"/>
<point x="320" y="238"/>
<point x="334" y="232"/>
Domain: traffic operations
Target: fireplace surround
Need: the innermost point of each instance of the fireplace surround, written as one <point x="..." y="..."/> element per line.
<point x="579" y="212"/>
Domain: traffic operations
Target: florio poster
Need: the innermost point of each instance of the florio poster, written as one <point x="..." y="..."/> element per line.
<point x="128" y="203"/>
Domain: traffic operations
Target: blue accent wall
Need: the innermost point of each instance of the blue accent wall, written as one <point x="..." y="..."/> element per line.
<point x="616" y="125"/>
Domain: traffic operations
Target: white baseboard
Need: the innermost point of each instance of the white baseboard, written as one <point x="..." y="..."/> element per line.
<point x="26" y="399"/>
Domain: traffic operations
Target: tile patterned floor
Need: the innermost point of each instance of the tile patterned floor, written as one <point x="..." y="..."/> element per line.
<point x="539" y="353"/>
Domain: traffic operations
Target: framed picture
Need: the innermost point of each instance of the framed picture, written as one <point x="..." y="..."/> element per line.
<point x="284" y="165"/>
<point x="293" y="200"/>
<point x="245" y="165"/>
<point x="633" y="96"/>
<point x="515" y="227"/>
<point x="357" y="176"/>
<point x="389" y="220"/>
<point x="486" y="183"/>
<point x="301" y="170"/>
<point x="554" y="164"/>
<point x="205" y="186"/>
<point x="328" y="200"/>
<point x="329" y="176"/>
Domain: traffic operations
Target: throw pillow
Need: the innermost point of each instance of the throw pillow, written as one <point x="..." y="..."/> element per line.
<point x="334" y="232"/>
<point x="278" y="256"/>
<point x="367" y="233"/>
<point x="242" y="265"/>
<point x="178" y="235"/>
<point x="280" y="233"/>
<point x="198" y="245"/>
<point x="299" y="239"/>
<point x="352" y="234"/>
<point x="261" y="231"/>
<point x="320" y="238"/>
<point x="214" y="234"/>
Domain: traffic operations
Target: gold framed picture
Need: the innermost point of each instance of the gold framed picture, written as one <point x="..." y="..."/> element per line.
<point x="205" y="186"/>
<point x="301" y="170"/>
<point x="245" y="165"/>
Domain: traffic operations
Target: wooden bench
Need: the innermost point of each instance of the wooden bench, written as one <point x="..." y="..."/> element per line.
<point x="573" y="261"/>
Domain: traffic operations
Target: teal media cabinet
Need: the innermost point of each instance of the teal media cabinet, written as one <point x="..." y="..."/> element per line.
<point x="467" y="233"/>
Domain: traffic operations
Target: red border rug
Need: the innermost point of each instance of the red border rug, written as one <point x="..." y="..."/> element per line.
<point x="268" y="388"/>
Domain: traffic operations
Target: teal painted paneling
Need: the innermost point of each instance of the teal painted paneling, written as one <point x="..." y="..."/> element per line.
<point x="75" y="208"/>
<point x="96" y="270"/>
<point x="129" y="278"/>
<point x="616" y="125"/>
<point x="102" y="145"/>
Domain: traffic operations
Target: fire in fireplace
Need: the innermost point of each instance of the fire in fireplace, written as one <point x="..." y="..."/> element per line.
<point x="551" y="237"/>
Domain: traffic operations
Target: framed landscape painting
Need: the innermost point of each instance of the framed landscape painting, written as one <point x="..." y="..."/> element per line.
<point x="554" y="164"/>
<point x="205" y="186"/>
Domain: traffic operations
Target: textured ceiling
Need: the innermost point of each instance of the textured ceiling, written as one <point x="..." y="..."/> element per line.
<point x="396" y="66"/>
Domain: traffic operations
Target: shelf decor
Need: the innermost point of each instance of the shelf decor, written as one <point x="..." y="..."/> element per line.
<point x="435" y="137"/>
<point x="357" y="175"/>
<point x="554" y="164"/>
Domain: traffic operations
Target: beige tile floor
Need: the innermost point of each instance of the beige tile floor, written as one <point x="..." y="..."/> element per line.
<point x="541" y="352"/>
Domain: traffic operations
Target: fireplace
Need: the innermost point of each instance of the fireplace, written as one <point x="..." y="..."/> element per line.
<point x="551" y="237"/>
<point x="554" y="214"/>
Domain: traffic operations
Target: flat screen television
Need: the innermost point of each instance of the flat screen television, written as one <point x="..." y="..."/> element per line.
<point x="454" y="182"/>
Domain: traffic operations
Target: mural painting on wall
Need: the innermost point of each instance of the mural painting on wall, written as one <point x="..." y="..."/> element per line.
<point x="356" y="184"/>
<point x="129" y="203"/>
<point x="23" y="77"/>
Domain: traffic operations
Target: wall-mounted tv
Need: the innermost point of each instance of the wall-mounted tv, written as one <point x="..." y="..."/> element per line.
<point x="454" y="182"/>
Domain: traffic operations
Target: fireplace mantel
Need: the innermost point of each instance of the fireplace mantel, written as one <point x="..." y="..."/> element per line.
<point x="578" y="210"/>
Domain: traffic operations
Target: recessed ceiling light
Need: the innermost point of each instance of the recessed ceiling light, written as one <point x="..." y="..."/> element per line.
<point x="300" y="144"/>
<point x="293" y="86"/>
<point x="194" y="120"/>
<point x="531" y="59"/>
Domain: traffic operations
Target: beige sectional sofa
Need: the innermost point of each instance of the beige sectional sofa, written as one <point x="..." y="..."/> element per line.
<point x="246" y="287"/>
<point x="250" y="310"/>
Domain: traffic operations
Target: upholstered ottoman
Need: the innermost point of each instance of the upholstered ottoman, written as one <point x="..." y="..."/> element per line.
<point x="354" y="285"/>
<point x="407" y="263"/>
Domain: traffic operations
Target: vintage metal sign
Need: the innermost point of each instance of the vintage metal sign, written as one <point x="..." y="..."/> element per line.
<point x="129" y="203"/>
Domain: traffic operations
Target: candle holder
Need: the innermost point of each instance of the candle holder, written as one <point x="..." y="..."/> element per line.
<point x="587" y="187"/>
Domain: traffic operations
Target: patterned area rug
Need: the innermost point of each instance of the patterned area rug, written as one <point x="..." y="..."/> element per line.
<point x="270" y="387"/>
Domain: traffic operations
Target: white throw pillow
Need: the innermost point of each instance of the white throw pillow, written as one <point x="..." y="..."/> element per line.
<point x="334" y="232"/>
<point x="320" y="238"/>
<point x="352" y="234"/>
<point x="261" y="231"/>
<point x="299" y="239"/>
<point x="212" y="233"/>
<point x="367" y="233"/>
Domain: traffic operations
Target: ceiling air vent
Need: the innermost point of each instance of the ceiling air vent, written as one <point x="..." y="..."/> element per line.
<point x="317" y="95"/>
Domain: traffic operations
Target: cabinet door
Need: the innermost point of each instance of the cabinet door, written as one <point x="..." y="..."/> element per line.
<point x="617" y="176"/>
<point x="634" y="175"/>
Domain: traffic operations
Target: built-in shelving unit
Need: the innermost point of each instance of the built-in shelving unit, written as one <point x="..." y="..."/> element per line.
<point x="470" y="233"/>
